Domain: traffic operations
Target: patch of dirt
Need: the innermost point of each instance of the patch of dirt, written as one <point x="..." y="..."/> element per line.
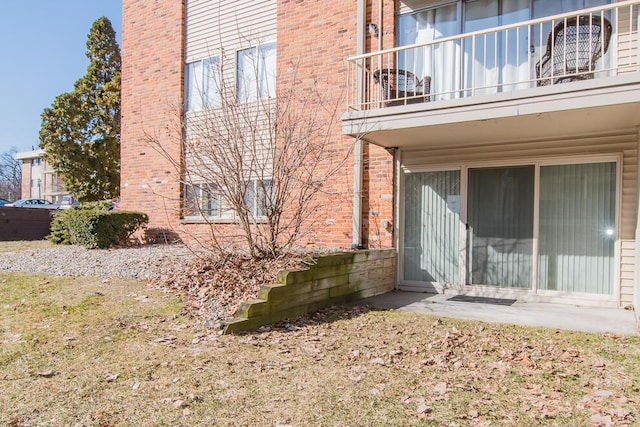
<point x="215" y="286"/>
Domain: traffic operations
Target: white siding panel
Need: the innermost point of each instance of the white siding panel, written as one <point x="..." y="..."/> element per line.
<point x="627" y="39"/>
<point x="627" y="271"/>
<point x="227" y="24"/>
<point x="215" y="27"/>
<point x="624" y="144"/>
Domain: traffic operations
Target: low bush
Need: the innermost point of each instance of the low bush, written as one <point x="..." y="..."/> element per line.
<point x="94" y="226"/>
<point x="60" y="225"/>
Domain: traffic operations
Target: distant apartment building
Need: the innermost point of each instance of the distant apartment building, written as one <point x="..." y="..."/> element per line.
<point x="39" y="180"/>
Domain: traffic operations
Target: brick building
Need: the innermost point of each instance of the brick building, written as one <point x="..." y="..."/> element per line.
<point x="39" y="180"/>
<point x="153" y="84"/>
<point x="493" y="143"/>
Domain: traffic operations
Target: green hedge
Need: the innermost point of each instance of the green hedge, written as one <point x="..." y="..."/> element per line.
<point x="60" y="225"/>
<point x="94" y="226"/>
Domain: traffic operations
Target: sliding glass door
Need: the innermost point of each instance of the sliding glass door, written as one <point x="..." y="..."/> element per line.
<point x="496" y="61"/>
<point x="486" y="63"/>
<point x="500" y="226"/>
<point x="569" y="208"/>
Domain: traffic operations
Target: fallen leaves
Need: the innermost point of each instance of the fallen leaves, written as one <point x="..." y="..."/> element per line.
<point x="441" y="388"/>
<point x="340" y="366"/>
<point x="111" y="377"/>
<point x="377" y="361"/>
<point x="599" y="363"/>
<point x="169" y="340"/>
<point x="601" y="420"/>
<point x="215" y="286"/>
<point x="423" y="409"/>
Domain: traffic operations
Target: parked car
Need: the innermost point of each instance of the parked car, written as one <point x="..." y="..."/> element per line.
<point x="3" y="201"/>
<point x="68" y="201"/>
<point x="33" y="203"/>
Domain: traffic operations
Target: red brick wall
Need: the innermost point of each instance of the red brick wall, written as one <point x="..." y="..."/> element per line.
<point x="378" y="168"/>
<point x="25" y="185"/>
<point x="378" y="198"/>
<point x="152" y="56"/>
<point x="318" y="35"/>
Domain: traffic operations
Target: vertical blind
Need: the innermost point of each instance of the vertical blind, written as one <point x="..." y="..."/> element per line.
<point x="577" y="235"/>
<point x="432" y="224"/>
<point x="500" y="217"/>
<point x="577" y="219"/>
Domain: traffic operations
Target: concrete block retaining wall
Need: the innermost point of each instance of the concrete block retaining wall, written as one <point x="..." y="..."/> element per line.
<point x="334" y="279"/>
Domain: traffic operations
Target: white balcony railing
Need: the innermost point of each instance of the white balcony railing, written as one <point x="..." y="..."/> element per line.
<point x="585" y="44"/>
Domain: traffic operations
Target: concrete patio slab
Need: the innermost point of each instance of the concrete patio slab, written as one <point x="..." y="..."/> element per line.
<point x="555" y="316"/>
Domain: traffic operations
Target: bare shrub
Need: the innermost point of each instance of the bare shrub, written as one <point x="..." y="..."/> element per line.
<point x="254" y="160"/>
<point x="10" y="175"/>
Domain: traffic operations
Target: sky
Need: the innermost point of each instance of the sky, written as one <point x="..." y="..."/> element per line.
<point x="42" y="46"/>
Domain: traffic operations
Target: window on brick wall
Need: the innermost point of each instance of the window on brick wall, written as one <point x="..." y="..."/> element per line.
<point x="204" y="200"/>
<point x="202" y="86"/>
<point x="258" y="197"/>
<point x="256" y="72"/>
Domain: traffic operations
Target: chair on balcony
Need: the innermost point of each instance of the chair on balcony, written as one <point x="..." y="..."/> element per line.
<point x="573" y="48"/>
<point x="400" y="87"/>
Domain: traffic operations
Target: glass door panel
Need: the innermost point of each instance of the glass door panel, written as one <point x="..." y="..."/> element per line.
<point x="431" y="226"/>
<point x="577" y="228"/>
<point x="500" y="226"/>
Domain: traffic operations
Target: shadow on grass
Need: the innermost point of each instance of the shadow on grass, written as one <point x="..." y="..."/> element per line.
<point x="325" y="316"/>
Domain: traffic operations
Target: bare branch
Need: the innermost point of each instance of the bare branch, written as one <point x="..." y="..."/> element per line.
<point x="10" y="175"/>
<point x="254" y="165"/>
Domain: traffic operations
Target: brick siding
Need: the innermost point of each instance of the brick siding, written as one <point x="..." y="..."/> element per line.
<point x="152" y="52"/>
<point x="316" y="35"/>
<point x="25" y="184"/>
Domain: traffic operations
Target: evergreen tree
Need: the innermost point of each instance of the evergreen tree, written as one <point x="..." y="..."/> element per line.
<point x="80" y="132"/>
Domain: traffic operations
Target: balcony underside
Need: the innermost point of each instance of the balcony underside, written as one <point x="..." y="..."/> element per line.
<point x="577" y="108"/>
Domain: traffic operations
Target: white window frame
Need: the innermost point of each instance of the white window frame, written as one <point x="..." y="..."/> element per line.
<point x="203" y="194"/>
<point x="202" y="89"/>
<point x="259" y="82"/>
<point x="258" y="190"/>
<point x="199" y="191"/>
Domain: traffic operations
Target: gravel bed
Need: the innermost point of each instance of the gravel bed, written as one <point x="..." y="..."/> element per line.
<point x="140" y="262"/>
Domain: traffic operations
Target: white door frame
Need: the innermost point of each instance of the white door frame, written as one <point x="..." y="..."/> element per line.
<point x="532" y="293"/>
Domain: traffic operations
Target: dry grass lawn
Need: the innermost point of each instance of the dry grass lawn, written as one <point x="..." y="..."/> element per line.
<point x="95" y="352"/>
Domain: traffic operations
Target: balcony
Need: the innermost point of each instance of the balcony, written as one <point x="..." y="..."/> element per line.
<point x="582" y="45"/>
